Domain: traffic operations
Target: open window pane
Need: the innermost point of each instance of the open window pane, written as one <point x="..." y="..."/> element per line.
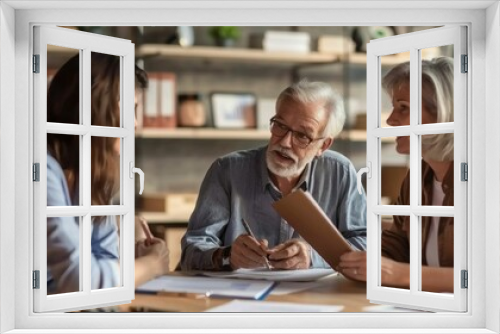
<point x="106" y="175"/>
<point x="395" y="247"/>
<point x="106" y="109"/>
<point x="105" y="248"/>
<point x="437" y="254"/>
<point x="72" y="157"/>
<point x="63" y="255"/>
<point x="61" y="106"/>
<point x="437" y="91"/>
<point x="427" y="150"/>
<point x="394" y="160"/>
<point x="63" y="170"/>
<point x="437" y="176"/>
<point x="395" y="110"/>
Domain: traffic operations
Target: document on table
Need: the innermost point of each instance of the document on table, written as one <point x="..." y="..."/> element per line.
<point x="301" y="211"/>
<point x="299" y="275"/>
<point x="267" y="307"/>
<point x="213" y="287"/>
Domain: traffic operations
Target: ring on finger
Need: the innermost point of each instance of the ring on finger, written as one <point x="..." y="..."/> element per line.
<point x="355" y="271"/>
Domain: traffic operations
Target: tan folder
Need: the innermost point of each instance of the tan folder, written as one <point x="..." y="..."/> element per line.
<point x="302" y="212"/>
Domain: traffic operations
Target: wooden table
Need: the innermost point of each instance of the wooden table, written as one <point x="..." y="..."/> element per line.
<point x="334" y="290"/>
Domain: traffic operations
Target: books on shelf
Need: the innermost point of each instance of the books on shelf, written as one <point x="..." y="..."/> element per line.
<point x="286" y="41"/>
<point x="159" y="107"/>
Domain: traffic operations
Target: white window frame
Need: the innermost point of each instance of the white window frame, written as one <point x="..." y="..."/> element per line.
<point x="414" y="42"/>
<point x="482" y="18"/>
<point x="85" y="43"/>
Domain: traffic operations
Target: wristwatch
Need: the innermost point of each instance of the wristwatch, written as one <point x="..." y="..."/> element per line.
<point x="226" y="259"/>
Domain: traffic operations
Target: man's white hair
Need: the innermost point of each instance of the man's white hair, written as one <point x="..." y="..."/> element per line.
<point x="306" y="92"/>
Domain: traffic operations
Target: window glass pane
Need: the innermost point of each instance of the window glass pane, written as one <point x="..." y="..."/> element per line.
<point x="63" y="255"/>
<point x="105" y="180"/>
<point x="394" y="160"/>
<point x="395" y="252"/>
<point x="437" y="85"/>
<point x="63" y="85"/>
<point x="105" y="248"/>
<point x="105" y="90"/>
<point x="395" y="107"/>
<point x="63" y="170"/>
<point x="437" y="170"/>
<point x="437" y="254"/>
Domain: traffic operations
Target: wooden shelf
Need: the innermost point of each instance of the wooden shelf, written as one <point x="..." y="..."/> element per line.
<point x="244" y="134"/>
<point x="163" y="218"/>
<point x="242" y="55"/>
<point x="235" y="55"/>
<point x="204" y="133"/>
<point x="360" y="59"/>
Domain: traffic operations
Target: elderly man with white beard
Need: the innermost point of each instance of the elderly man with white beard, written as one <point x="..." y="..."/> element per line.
<point x="242" y="186"/>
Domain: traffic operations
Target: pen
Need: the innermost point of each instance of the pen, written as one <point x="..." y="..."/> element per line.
<point x="249" y="231"/>
<point x="147" y="232"/>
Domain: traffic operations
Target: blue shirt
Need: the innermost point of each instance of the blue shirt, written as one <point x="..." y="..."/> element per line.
<point x="238" y="186"/>
<point x="63" y="241"/>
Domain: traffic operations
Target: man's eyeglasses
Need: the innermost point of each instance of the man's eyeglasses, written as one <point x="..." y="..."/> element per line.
<point x="299" y="139"/>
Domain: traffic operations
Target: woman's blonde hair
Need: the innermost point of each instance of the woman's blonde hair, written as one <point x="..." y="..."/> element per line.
<point x="437" y="97"/>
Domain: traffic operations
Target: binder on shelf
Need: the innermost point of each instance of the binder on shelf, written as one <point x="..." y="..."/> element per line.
<point x="160" y="101"/>
<point x="151" y="101"/>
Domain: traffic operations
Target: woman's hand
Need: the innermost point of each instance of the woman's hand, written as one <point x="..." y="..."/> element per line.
<point x="394" y="274"/>
<point x="353" y="265"/>
<point x="156" y="253"/>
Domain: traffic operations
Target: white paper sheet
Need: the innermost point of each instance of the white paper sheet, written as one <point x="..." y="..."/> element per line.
<point x="214" y="287"/>
<point x="301" y="275"/>
<point x="267" y="307"/>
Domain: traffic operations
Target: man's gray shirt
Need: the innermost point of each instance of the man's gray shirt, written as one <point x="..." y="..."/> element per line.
<point x="238" y="186"/>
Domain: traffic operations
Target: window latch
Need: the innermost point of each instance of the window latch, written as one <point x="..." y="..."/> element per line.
<point x="368" y="171"/>
<point x="133" y="170"/>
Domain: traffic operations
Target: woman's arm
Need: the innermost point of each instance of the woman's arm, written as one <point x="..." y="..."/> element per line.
<point x="397" y="274"/>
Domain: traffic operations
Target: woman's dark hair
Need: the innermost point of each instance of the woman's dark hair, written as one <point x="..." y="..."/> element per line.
<point x="63" y="106"/>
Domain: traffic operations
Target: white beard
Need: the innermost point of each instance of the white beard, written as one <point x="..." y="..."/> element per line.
<point x="290" y="170"/>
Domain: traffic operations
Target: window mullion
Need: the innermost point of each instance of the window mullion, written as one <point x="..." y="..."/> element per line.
<point x="414" y="166"/>
<point x="85" y="89"/>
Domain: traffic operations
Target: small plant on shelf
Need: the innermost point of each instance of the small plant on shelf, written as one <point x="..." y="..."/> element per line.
<point x="225" y="36"/>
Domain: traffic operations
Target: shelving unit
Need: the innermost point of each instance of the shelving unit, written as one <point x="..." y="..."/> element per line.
<point x="249" y="134"/>
<point x="234" y="55"/>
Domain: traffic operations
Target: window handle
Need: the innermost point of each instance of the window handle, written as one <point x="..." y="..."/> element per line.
<point x="368" y="171"/>
<point x="133" y="170"/>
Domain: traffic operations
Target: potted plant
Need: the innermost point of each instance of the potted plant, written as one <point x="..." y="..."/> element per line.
<point x="225" y="36"/>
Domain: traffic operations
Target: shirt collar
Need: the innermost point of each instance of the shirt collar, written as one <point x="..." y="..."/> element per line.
<point x="266" y="178"/>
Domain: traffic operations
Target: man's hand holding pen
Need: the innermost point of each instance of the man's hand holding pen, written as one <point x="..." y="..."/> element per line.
<point x="248" y="252"/>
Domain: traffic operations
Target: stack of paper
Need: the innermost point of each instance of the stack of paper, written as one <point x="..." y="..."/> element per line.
<point x="301" y="275"/>
<point x="212" y="287"/>
<point x="287" y="41"/>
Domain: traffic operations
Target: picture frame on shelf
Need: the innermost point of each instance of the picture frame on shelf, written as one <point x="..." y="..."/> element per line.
<point x="233" y="110"/>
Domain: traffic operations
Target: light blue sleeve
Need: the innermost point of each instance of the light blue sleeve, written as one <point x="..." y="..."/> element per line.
<point x="63" y="243"/>
<point x="352" y="211"/>
<point x="207" y="223"/>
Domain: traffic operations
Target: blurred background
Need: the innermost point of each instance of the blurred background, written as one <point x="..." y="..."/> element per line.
<point x="212" y="91"/>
